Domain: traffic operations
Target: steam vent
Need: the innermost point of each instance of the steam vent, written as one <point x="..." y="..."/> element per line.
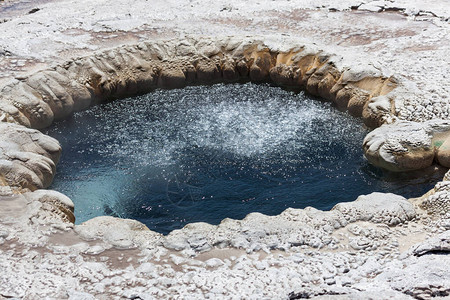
<point x="224" y="150"/>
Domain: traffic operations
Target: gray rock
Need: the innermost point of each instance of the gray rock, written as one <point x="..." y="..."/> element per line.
<point x="438" y="243"/>
<point x="385" y="208"/>
<point x="118" y="233"/>
<point x="421" y="277"/>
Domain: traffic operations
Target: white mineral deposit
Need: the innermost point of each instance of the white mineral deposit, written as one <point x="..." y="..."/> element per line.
<point x="385" y="62"/>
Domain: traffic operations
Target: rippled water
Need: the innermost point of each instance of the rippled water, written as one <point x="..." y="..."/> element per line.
<point x="205" y="153"/>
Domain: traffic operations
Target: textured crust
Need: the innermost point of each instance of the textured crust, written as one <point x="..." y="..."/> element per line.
<point x="37" y="100"/>
<point x="371" y="224"/>
<point x="28" y="158"/>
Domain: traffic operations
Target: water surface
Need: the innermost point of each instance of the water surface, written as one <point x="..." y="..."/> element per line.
<point x="205" y="153"/>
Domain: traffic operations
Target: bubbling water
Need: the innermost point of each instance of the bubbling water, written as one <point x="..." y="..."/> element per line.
<point x="205" y="153"/>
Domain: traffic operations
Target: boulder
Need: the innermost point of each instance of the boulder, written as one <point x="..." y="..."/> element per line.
<point x="171" y="77"/>
<point x="27" y="157"/>
<point x="117" y="233"/>
<point x="443" y="151"/>
<point x="404" y="145"/>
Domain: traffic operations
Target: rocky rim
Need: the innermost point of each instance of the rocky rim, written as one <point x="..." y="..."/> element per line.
<point x="380" y="244"/>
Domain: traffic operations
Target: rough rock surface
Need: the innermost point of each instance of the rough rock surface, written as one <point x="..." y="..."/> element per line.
<point x="300" y="252"/>
<point x="260" y="232"/>
<point x="30" y="217"/>
<point x="28" y="158"/>
<point x="120" y="234"/>
<point x="439" y="243"/>
<point x="405" y="146"/>
<point x="53" y="94"/>
<point x="257" y="232"/>
<point x="387" y="31"/>
<point x="384" y="61"/>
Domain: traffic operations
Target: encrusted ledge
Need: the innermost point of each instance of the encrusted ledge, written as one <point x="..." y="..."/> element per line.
<point x="351" y="238"/>
<point x="406" y="146"/>
<point x="260" y="232"/>
<point x="28" y="158"/>
<point x="37" y="100"/>
<point x="54" y="94"/>
<point x="48" y="95"/>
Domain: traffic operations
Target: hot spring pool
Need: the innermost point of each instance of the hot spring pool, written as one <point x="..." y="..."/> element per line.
<point x="206" y="153"/>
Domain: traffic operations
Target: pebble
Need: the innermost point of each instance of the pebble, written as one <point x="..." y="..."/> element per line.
<point x="94" y="250"/>
<point x="214" y="262"/>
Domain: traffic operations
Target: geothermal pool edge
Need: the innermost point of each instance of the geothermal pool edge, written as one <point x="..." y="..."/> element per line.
<point x="380" y="224"/>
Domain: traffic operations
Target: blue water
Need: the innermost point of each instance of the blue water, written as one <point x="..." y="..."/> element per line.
<point x="206" y="153"/>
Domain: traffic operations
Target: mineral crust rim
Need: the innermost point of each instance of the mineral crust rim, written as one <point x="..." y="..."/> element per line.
<point x="28" y="160"/>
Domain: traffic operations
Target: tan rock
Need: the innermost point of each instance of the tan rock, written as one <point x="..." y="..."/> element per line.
<point x="30" y="104"/>
<point x="376" y="110"/>
<point x="443" y="152"/>
<point x="307" y="65"/>
<point x="403" y="146"/>
<point x="79" y="93"/>
<point x="11" y="114"/>
<point x="325" y="87"/>
<point x="356" y="104"/>
<point x="27" y="157"/>
<point x="415" y="159"/>
<point x="284" y="75"/>
<point x="229" y="72"/>
<point x="207" y="71"/>
<point x="343" y="96"/>
<point x="55" y="95"/>
<point x="314" y="80"/>
<point x="171" y="77"/>
<point x="243" y="68"/>
<point x="262" y="63"/>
